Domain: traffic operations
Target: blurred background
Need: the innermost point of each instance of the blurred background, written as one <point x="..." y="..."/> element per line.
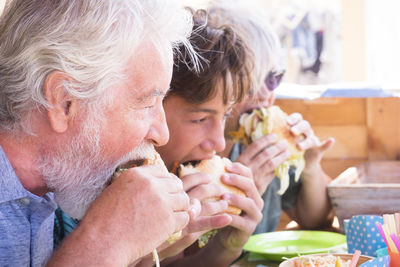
<point x="336" y="41"/>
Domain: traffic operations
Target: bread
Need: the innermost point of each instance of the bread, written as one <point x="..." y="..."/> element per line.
<point x="263" y="121"/>
<point x="214" y="167"/>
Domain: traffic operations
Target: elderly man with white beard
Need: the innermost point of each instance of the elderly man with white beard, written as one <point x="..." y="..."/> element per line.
<point x="81" y="90"/>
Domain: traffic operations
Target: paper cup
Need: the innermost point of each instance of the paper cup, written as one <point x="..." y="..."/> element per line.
<point x="363" y="235"/>
<point x="394" y="259"/>
<point x="377" y="262"/>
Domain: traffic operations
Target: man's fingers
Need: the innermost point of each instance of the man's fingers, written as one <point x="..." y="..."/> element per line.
<point x="181" y="220"/>
<point x="194" y="209"/>
<point x="180" y="201"/>
<point x="172" y="184"/>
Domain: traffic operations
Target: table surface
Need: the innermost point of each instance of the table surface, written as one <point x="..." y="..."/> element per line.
<point x="245" y="262"/>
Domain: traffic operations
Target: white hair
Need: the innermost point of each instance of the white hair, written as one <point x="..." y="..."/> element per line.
<point x="252" y="21"/>
<point x="90" y="41"/>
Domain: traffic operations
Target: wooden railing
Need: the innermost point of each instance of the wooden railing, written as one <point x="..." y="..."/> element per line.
<point x="365" y="129"/>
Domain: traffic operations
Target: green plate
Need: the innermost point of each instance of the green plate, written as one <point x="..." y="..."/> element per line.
<point x="279" y="245"/>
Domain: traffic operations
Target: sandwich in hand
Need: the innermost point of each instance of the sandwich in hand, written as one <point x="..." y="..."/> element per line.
<point x="264" y="121"/>
<point x="154" y="160"/>
<point x="215" y="168"/>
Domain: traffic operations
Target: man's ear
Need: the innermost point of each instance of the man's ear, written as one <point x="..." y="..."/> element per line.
<point x="62" y="109"/>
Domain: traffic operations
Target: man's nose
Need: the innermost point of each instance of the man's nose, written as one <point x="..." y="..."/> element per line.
<point x="158" y="132"/>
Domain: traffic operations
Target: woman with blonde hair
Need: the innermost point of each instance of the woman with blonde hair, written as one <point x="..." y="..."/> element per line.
<point x="305" y="201"/>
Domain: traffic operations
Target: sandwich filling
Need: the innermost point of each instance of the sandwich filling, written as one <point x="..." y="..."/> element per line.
<point x="264" y="121"/>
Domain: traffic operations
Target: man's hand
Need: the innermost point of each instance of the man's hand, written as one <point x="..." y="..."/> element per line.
<point x="134" y="215"/>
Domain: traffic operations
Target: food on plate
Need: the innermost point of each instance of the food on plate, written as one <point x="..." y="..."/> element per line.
<point x="321" y="261"/>
<point x="264" y="121"/>
<point x="215" y="168"/>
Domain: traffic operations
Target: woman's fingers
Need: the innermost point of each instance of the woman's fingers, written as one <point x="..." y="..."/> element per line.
<point x="271" y="156"/>
<point x="194" y="209"/>
<point x="254" y="148"/>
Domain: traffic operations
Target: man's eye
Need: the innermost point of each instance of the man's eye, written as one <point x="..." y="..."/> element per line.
<point x="151" y="104"/>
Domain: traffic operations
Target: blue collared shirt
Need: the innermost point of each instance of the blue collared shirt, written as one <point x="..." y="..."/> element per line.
<point x="26" y="221"/>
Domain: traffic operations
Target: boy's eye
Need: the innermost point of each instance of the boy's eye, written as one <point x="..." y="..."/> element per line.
<point x="198" y="120"/>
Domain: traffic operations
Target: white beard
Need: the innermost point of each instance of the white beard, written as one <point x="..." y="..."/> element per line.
<point x="78" y="173"/>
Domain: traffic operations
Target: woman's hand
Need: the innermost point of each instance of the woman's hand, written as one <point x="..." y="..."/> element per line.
<point x="263" y="156"/>
<point x="307" y="141"/>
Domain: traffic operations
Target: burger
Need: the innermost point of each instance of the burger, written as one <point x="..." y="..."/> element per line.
<point x="215" y="168"/>
<point x="263" y="121"/>
<point x="154" y="160"/>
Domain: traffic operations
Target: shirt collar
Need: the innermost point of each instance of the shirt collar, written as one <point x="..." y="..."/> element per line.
<point x="10" y="186"/>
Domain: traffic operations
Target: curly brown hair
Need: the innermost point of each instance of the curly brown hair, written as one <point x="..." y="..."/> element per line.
<point x="224" y="62"/>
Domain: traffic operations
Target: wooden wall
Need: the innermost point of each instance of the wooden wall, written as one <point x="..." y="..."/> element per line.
<point x="365" y="129"/>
